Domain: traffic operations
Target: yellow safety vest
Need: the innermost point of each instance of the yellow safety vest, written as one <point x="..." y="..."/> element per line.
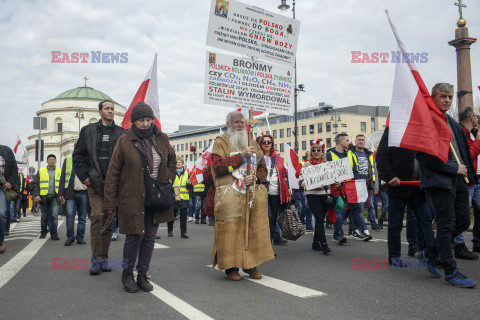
<point x="20" y="176"/>
<point x="68" y="171"/>
<point x="354" y="163"/>
<point x="199" y="187"/>
<point x="182" y="183"/>
<point x="44" y="178"/>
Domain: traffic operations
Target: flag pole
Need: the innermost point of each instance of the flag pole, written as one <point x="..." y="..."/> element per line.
<point x="458" y="161"/>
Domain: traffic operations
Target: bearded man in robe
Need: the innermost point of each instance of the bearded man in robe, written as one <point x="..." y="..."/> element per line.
<point x="242" y="234"/>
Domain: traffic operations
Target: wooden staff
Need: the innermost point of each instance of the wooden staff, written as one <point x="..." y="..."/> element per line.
<point x="250" y="121"/>
<point x="458" y="160"/>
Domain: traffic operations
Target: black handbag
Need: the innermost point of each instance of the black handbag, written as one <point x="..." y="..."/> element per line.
<point x="329" y="199"/>
<point x="159" y="195"/>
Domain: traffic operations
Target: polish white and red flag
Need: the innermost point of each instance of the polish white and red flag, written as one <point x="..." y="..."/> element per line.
<point x="197" y="169"/>
<point x="293" y="166"/>
<point x="148" y="93"/>
<point x="356" y="191"/>
<point x="414" y="120"/>
<point x="17" y="144"/>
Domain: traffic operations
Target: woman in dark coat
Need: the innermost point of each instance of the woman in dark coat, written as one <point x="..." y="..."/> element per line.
<point x="125" y="185"/>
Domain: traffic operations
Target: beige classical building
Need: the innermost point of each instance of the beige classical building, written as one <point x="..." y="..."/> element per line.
<point x="66" y="114"/>
<point x="323" y="122"/>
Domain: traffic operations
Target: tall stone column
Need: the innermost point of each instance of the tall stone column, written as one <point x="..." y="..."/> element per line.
<point x="462" y="43"/>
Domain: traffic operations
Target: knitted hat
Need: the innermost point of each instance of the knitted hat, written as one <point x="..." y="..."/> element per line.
<point x="141" y="110"/>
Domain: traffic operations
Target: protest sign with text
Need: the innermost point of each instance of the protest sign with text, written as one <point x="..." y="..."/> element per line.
<point x="242" y="83"/>
<point x="327" y="173"/>
<point x="252" y="31"/>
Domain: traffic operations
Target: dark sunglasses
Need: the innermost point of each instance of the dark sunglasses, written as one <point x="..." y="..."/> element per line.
<point x="266" y="142"/>
<point x="317" y="150"/>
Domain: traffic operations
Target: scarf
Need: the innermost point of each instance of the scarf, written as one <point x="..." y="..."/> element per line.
<point x="145" y="136"/>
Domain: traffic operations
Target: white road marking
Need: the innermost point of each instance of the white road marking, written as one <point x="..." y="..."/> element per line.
<point x="25" y="238"/>
<point x="160" y="246"/>
<point x="284" y="286"/>
<point x="14" y="265"/>
<point x="178" y="304"/>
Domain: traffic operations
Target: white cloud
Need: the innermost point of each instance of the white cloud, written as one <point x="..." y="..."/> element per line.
<point x="329" y="31"/>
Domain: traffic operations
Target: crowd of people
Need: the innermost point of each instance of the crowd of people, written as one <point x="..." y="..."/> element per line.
<point x="245" y="189"/>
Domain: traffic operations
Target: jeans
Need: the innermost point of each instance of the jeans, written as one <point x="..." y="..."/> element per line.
<point x="77" y="205"/>
<point x="273" y="206"/>
<point x="474" y="194"/>
<point x="141" y="246"/>
<point x="115" y="222"/>
<point x="7" y="215"/>
<point x="3" y="209"/>
<point x="357" y="220"/>
<point x="191" y="208"/>
<point x="453" y="218"/>
<point x="183" y="221"/>
<point x="421" y="212"/>
<point x="383" y="196"/>
<point x="50" y="211"/>
<point x="371" y="208"/>
<point x="338" y="226"/>
<point x="304" y="212"/>
<point x="199" y="207"/>
<point x="16" y="208"/>
<point x="319" y="210"/>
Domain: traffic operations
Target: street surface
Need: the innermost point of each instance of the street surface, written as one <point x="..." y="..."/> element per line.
<point x="39" y="279"/>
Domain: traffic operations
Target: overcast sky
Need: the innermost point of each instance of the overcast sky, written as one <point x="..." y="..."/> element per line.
<point x="330" y="30"/>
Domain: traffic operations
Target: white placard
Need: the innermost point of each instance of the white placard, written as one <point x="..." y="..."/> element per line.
<point x="242" y="83"/>
<point x="327" y="173"/>
<point x="253" y="31"/>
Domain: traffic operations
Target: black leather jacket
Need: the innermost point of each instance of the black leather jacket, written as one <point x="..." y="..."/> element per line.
<point x="85" y="157"/>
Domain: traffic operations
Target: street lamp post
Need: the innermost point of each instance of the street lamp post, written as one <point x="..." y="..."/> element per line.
<point x="80" y="116"/>
<point x="284" y="7"/>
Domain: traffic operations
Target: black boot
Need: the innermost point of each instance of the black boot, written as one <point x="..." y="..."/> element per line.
<point x="462" y="252"/>
<point x="129" y="282"/>
<point x="316" y="246"/>
<point x="325" y="248"/>
<point x="143" y="283"/>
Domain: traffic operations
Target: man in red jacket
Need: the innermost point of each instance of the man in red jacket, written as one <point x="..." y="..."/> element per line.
<point x="469" y="120"/>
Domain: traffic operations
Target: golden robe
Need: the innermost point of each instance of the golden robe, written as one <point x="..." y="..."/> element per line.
<point x="231" y="249"/>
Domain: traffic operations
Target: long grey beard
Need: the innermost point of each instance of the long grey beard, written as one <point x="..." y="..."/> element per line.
<point x="238" y="139"/>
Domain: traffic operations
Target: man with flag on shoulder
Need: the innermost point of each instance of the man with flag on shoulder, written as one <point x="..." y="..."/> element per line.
<point x="445" y="186"/>
<point x="468" y="119"/>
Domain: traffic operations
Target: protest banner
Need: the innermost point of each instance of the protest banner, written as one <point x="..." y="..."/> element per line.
<point x="242" y="83"/>
<point x="327" y="173"/>
<point x="253" y="31"/>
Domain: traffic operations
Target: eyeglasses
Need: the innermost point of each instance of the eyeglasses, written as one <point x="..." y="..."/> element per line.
<point x="317" y="150"/>
<point x="266" y="142"/>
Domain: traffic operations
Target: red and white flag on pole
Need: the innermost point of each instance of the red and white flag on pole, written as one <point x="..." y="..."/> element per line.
<point x="148" y="93"/>
<point x="17" y="144"/>
<point x="293" y="166"/>
<point x="356" y="191"/>
<point x="415" y="122"/>
<point x="196" y="171"/>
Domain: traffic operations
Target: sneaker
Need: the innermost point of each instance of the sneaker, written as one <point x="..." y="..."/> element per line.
<point x="69" y="242"/>
<point x="309" y="230"/>
<point x="380" y="223"/>
<point x="143" y="283"/>
<point x="128" y="282"/>
<point x="462" y="252"/>
<point x="157" y="236"/>
<point x="43" y="235"/>
<point x="397" y="263"/>
<point x="114" y="236"/>
<point x="211" y="223"/>
<point x="54" y="237"/>
<point x="96" y="267"/>
<point x="459" y="280"/>
<point x="376" y="228"/>
<point x="342" y="240"/>
<point x="412" y="251"/>
<point x="366" y="235"/>
<point x="430" y="264"/>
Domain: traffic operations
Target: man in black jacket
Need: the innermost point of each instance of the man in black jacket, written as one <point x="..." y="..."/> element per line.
<point x="9" y="176"/>
<point x="74" y="193"/>
<point x="91" y="158"/>
<point x="444" y="184"/>
<point x="395" y="165"/>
